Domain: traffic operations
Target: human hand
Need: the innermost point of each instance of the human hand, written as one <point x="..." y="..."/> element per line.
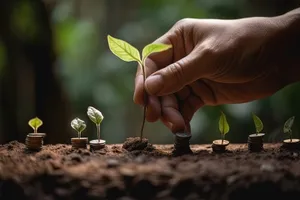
<point x="212" y="62"/>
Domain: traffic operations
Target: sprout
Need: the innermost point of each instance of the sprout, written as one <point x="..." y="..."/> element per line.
<point x="96" y="117"/>
<point x="35" y="123"/>
<point x="287" y="128"/>
<point x="78" y="125"/>
<point x="223" y="126"/>
<point x="258" y="123"/>
<point x="128" y="53"/>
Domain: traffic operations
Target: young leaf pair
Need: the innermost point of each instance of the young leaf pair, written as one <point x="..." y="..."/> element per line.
<point x="128" y="53"/>
<point x="94" y="115"/>
<point x="35" y="123"/>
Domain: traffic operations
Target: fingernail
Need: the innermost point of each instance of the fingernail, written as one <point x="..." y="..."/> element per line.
<point x="154" y="84"/>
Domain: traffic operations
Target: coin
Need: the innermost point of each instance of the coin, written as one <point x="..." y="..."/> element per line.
<point x="255" y="142"/>
<point x="291" y="144"/>
<point x="34" y="142"/>
<point x="218" y="146"/>
<point x="182" y="143"/>
<point x="79" y="142"/>
<point x="97" y="144"/>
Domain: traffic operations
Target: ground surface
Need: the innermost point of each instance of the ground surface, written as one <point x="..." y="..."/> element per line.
<point x="59" y="172"/>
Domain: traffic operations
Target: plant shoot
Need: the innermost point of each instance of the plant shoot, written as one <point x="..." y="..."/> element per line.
<point x="96" y="117"/>
<point x="35" y="123"/>
<point x="128" y="53"/>
<point x="258" y="123"/>
<point x="223" y="126"/>
<point x="78" y="125"/>
<point x="287" y="128"/>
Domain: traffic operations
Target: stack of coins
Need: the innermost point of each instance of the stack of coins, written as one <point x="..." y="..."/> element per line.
<point x="218" y="146"/>
<point x="97" y="144"/>
<point x="291" y="144"/>
<point x="182" y="144"/>
<point x="255" y="142"/>
<point x="34" y="142"/>
<point x="79" y="142"/>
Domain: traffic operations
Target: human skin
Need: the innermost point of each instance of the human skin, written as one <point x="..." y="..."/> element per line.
<point x="214" y="62"/>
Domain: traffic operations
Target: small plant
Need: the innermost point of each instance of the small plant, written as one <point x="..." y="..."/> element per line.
<point x="35" y="123"/>
<point x="96" y="117"/>
<point x="78" y="125"/>
<point x="128" y="53"/>
<point x="258" y="123"/>
<point x="223" y="126"/>
<point x="287" y="128"/>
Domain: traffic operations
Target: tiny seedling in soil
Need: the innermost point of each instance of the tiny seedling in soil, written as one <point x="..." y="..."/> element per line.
<point x="34" y="141"/>
<point x="78" y="125"/>
<point x="128" y="53"/>
<point x="220" y="145"/>
<point x="287" y="129"/>
<point x="255" y="141"/>
<point x="96" y="117"/>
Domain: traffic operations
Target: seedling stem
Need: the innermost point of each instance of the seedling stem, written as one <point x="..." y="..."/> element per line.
<point x="142" y="64"/>
<point x="98" y="132"/>
<point x="223" y="137"/>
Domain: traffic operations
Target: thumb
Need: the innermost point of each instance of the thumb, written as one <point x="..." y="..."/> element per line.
<point x="175" y="76"/>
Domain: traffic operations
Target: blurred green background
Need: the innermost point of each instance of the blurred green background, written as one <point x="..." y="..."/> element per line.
<point x="55" y="62"/>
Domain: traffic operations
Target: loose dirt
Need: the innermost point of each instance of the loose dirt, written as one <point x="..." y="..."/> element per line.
<point x="60" y="172"/>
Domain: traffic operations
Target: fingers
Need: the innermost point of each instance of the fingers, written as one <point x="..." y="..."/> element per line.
<point x="153" y="109"/>
<point x="177" y="115"/>
<point x="171" y="116"/>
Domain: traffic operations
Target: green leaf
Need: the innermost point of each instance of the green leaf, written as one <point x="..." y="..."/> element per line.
<point x="154" y="48"/>
<point x="35" y="123"/>
<point x="287" y="128"/>
<point x="223" y="124"/>
<point x="78" y="124"/>
<point x="258" y="123"/>
<point x="95" y="115"/>
<point x="123" y="50"/>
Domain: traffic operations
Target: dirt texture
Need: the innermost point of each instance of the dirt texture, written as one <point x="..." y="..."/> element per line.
<point x="60" y="172"/>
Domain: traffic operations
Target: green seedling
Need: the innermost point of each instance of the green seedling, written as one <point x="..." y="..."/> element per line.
<point x="258" y="123"/>
<point x="96" y="117"/>
<point x="128" y="53"/>
<point x="35" y="123"/>
<point x="287" y="128"/>
<point x="78" y="125"/>
<point x="223" y="126"/>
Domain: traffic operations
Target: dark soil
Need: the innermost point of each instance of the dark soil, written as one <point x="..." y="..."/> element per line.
<point x="60" y="172"/>
<point x="136" y="143"/>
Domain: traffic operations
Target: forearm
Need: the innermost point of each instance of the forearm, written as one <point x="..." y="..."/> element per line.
<point x="287" y="45"/>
